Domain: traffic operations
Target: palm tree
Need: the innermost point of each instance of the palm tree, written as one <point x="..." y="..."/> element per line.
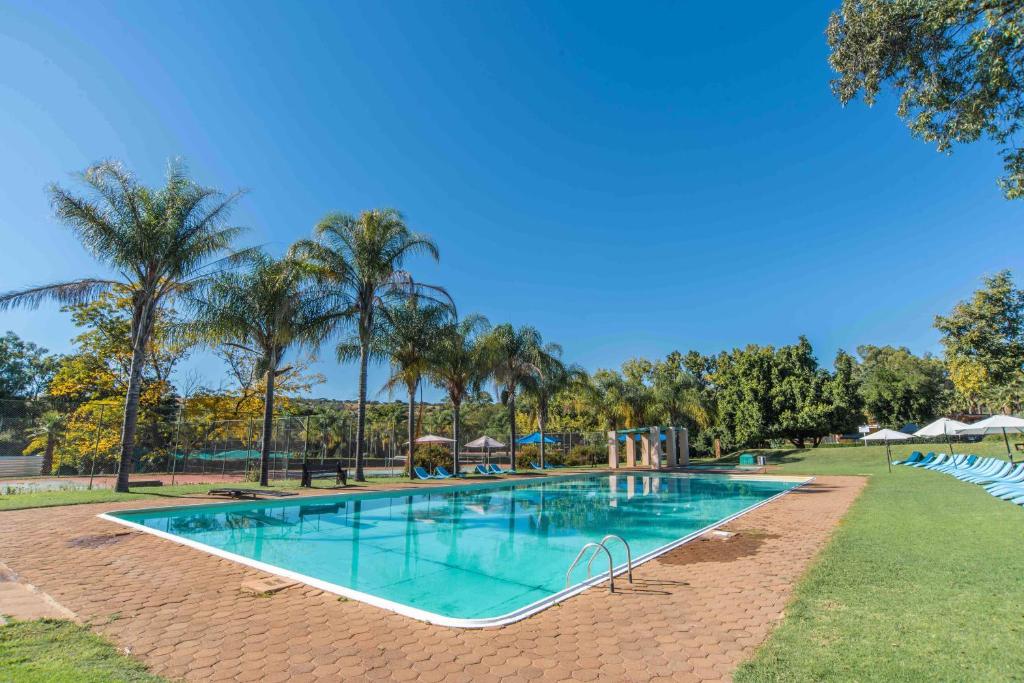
<point x="677" y="393"/>
<point x="457" y="365"/>
<point x="161" y="243"/>
<point x="512" y="356"/>
<point x="412" y="330"/>
<point x="553" y="376"/>
<point x="265" y="309"/>
<point x="362" y="258"/>
<point x="45" y="435"/>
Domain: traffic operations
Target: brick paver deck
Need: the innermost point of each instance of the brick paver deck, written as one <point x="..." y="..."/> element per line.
<point x="693" y="614"/>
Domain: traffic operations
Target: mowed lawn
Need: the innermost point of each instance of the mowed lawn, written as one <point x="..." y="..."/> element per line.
<point x="52" y="651"/>
<point x="923" y="580"/>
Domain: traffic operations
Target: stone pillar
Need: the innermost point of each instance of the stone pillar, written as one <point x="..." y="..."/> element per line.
<point x="654" y="454"/>
<point x="630" y="450"/>
<point x="613" y="450"/>
<point x="645" y="450"/>
<point x="673" y="446"/>
<point x="684" y="447"/>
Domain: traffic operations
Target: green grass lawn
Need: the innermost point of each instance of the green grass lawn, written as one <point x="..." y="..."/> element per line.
<point x="922" y="581"/>
<point x="22" y="501"/>
<point x="52" y="651"/>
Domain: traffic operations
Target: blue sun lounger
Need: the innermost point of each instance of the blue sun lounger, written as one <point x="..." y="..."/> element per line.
<point x="482" y="469"/>
<point x="442" y="473"/>
<point x="497" y="470"/>
<point x="912" y="458"/>
<point x="422" y="473"/>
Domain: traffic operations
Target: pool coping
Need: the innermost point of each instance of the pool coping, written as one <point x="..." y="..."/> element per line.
<point x="432" y="617"/>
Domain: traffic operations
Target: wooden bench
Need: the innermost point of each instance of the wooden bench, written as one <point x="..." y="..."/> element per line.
<point x="313" y="470"/>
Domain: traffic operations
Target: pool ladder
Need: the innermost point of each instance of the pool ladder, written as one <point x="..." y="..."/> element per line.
<point x="598" y="547"/>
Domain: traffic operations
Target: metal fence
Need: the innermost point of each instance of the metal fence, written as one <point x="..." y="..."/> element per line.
<point x="83" y="439"/>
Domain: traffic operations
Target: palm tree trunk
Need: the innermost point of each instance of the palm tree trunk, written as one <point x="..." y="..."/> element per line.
<point x="457" y="435"/>
<point x="412" y="430"/>
<point x="51" y="441"/>
<point x="512" y="428"/>
<point x="131" y="413"/>
<point x="361" y="410"/>
<point x="541" y="423"/>
<point x="268" y="428"/>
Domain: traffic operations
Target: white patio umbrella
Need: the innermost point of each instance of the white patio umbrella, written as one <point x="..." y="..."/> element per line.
<point x="886" y="435"/>
<point x="944" y="426"/>
<point x="485" y="442"/>
<point x="433" y="438"/>
<point x="994" y="425"/>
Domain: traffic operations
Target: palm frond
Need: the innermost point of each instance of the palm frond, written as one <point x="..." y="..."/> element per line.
<point x="64" y="293"/>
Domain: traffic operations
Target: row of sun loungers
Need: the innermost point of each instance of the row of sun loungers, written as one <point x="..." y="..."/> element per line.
<point x="490" y="470"/>
<point x="1002" y="479"/>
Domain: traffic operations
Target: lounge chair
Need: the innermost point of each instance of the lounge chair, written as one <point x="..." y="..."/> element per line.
<point x="482" y="469"/>
<point x="535" y="466"/>
<point x="442" y="473"/>
<point x="423" y="474"/>
<point x="913" y="457"/>
<point x="495" y="469"/>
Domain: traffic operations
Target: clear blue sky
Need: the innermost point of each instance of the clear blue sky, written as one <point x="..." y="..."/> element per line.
<point x="630" y="182"/>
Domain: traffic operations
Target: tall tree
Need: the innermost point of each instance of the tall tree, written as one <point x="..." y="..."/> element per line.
<point x="25" y="368"/>
<point x="267" y="308"/>
<point x="512" y="357"/>
<point x="957" y="65"/>
<point x="412" y="329"/>
<point x="457" y="365"/>
<point x="984" y="337"/>
<point x="898" y="387"/>
<point x="363" y="258"/>
<point x="553" y="376"/>
<point x="161" y="242"/>
<point x="678" y="394"/>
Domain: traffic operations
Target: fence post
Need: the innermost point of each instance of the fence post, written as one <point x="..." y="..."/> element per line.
<point x="174" y="452"/>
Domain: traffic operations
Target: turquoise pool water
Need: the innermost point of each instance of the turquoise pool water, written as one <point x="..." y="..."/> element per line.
<point x="467" y="553"/>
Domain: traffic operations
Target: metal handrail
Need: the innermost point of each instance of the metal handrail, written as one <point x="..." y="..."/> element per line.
<point x="629" y="554"/>
<point x="597" y="547"/>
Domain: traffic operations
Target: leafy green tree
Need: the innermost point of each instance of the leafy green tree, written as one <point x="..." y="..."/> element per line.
<point x="160" y="241"/>
<point x="957" y="66"/>
<point x="767" y="393"/>
<point x="898" y="387"/>
<point x="984" y="337"/>
<point x="512" y="357"/>
<point x="412" y="330"/>
<point x="457" y="365"/>
<point x="265" y="309"/>
<point x="843" y="395"/>
<point x="25" y="369"/>
<point x="363" y="258"/>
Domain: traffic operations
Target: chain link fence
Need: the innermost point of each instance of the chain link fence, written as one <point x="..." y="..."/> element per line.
<point x="83" y="440"/>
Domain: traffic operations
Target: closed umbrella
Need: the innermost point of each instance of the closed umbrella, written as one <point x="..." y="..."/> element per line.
<point x="886" y="435"/>
<point x="942" y="427"/>
<point x="994" y="425"/>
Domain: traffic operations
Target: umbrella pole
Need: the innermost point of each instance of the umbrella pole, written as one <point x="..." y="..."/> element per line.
<point x="888" y="456"/>
<point x="1007" y="440"/>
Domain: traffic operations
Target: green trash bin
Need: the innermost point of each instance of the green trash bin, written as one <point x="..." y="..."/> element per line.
<point x="747" y="459"/>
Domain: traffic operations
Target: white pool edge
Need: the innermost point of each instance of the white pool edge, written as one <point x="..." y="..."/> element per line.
<point x="431" y="617"/>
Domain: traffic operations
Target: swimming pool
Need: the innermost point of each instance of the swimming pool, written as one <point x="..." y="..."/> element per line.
<point x="469" y="556"/>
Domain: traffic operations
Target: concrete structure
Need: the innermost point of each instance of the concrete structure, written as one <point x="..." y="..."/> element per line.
<point x="651" y="456"/>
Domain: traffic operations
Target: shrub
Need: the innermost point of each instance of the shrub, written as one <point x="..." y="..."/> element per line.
<point x="429" y="456"/>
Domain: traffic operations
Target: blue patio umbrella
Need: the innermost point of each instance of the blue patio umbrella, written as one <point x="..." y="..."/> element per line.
<point x="535" y="438"/>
